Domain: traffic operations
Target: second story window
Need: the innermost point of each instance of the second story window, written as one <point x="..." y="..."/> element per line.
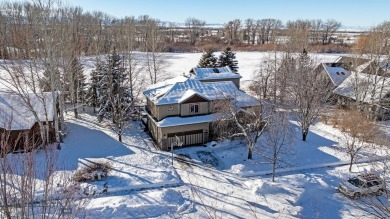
<point x="194" y="108"/>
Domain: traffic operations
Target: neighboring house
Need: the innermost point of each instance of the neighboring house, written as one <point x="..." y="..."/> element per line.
<point x="351" y="61"/>
<point x="376" y="68"/>
<point x="19" y="124"/>
<point x="334" y="73"/>
<point x="184" y="108"/>
<point x="216" y="74"/>
<point x="371" y="91"/>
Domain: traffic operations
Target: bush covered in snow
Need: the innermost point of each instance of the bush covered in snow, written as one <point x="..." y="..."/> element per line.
<point x="92" y="172"/>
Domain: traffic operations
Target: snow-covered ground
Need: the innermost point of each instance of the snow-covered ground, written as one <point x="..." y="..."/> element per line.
<point x="179" y="63"/>
<point x="143" y="183"/>
<point x="212" y="181"/>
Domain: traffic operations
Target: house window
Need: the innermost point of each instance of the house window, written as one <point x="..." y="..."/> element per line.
<point x="170" y="108"/>
<point x="194" y="108"/>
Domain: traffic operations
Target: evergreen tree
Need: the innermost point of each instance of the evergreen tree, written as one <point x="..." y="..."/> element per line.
<point x="208" y="60"/>
<point x="76" y="86"/>
<point x="112" y="92"/>
<point x="228" y="58"/>
<point x="91" y="98"/>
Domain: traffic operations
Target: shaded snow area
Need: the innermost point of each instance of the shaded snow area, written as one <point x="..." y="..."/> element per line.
<point x="141" y="183"/>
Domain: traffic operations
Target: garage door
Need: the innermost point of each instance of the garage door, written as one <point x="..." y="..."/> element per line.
<point x="188" y="138"/>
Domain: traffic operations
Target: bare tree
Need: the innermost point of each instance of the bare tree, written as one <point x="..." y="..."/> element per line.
<point x="155" y="59"/>
<point x="30" y="186"/>
<point x="233" y="121"/>
<point x="194" y="28"/>
<point x="298" y="35"/>
<point x="278" y="140"/>
<point x="328" y="28"/>
<point x="263" y="79"/>
<point x="132" y="62"/>
<point x="232" y="31"/>
<point x="308" y="91"/>
<point x="250" y="30"/>
<point x="356" y="135"/>
<point x="316" y="31"/>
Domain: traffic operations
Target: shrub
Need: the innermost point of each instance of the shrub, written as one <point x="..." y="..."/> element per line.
<point x="95" y="171"/>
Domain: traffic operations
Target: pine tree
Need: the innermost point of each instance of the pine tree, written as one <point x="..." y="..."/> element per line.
<point x="76" y="86"/>
<point x="91" y="98"/>
<point x="304" y="64"/>
<point x="113" y="94"/>
<point x="208" y="60"/>
<point x="228" y="58"/>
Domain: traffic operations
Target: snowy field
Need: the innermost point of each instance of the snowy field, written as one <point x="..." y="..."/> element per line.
<point x="179" y="63"/>
<point x="215" y="180"/>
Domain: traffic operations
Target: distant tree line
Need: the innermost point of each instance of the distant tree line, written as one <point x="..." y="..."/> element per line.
<point x="96" y="32"/>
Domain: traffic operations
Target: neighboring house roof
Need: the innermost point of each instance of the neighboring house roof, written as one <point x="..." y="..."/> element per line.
<point x="16" y="115"/>
<point x="336" y="73"/>
<point x="356" y="61"/>
<point x="214" y="73"/>
<point x="385" y="65"/>
<point x="241" y="98"/>
<point x="371" y="68"/>
<point x="370" y="88"/>
<point x="171" y="94"/>
<point x="363" y="67"/>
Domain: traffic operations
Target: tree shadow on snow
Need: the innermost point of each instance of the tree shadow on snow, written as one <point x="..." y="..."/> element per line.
<point x="84" y="142"/>
<point x="320" y="198"/>
<point x="309" y="152"/>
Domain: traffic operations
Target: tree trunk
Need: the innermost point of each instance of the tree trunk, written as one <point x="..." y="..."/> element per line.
<point x="273" y="171"/>
<point x="119" y="137"/>
<point x="304" y="134"/>
<point x="76" y="114"/>
<point x="350" y="164"/>
<point x="250" y="152"/>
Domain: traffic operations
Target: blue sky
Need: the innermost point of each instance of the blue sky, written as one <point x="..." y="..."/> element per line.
<point x="348" y="12"/>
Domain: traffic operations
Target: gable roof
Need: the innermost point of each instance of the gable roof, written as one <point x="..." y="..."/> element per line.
<point x="364" y="85"/>
<point x="214" y="73"/>
<point x="16" y="115"/>
<point x="374" y="67"/>
<point x="336" y="73"/>
<point x="190" y="93"/>
<point x="178" y="92"/>
<point x="241" y="98"/>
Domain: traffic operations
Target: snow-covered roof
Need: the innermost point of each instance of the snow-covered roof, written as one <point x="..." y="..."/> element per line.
<point x="214" y="73"/>
<point x="171" y="94"/>
<point x="385" y="65"/>
<point x="336" y="73"/>
<point x="171" y="81"/>
<point x="189" y="93"/>
<point x="367" y="87"/>
<point x="241" y="98"/>
<point x="16" y="115"/>
<point x="177" y="121"/>
<point x="363" y="66"/>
